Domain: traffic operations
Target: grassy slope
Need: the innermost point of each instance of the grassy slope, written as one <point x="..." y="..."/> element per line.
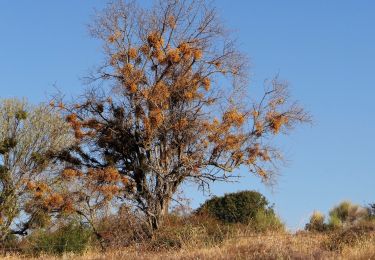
<point x="271" y="246"/>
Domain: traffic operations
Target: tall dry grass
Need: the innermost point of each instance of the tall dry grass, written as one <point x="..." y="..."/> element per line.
<point x="270" y="246"/>
<point x="203" y="238"/>
<point x="304" y="245"/>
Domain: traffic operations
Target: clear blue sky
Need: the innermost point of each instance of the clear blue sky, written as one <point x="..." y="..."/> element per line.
<point x="325" y="49"/>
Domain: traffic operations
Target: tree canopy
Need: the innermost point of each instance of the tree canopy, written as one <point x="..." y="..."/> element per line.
<point x="171" y="103"/>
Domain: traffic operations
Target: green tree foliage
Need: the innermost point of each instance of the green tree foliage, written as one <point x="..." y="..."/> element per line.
<point x="29" y="136"/>
<point x="241" y="207"/>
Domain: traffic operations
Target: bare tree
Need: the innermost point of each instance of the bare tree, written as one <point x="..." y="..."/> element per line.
<point x="28" y="137"/>
<point x="174" y="105"/>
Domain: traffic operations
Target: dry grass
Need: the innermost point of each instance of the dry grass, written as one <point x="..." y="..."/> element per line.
<point x="262" y="246"/>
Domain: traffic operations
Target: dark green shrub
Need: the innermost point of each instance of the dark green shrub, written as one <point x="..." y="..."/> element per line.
<point x="73" y="237"/>
<point x="246" y="207"/>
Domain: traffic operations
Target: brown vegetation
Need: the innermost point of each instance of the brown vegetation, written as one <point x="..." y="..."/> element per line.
<point x="273" y="245"/>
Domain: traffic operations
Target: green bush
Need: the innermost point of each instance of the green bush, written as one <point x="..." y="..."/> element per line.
<point x="346" y="214"/>
<point x="73" y="237"/>
<point x="266" y="221"/>
<point x="317" y="222"/>
<point x="246" y="207"/>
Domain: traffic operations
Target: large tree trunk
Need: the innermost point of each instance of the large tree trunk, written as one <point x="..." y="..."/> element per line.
<point x="158" y="213"/>
<point x="159" y="209"/>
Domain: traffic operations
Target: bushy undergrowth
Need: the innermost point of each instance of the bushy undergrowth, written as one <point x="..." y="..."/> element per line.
<point x="344" y="215"/>
<point x="350" y="236"/>
<point x="218" y="220"/>
<point x="72" y="237"/>
<point x="122" y="230"/>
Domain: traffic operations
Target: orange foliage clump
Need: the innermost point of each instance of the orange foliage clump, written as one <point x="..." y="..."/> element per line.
<point x="109" y="190"/>
<point x="233" y="117"/>
<point x="174" y="55"/>
<point x="108" y="174"/>
<point x="133" y="88"/>
<point x="159" y="55"/>
<point x="159" y="93"/>
<point x="197" y="54"/>
<point x="132" y="53"/>
<point x="30" y="185"/>
<point x="70" y="173"/>
<point x="186" y="50"/>
<point x="206" y="84"/>
<point x="145" y="49"/>
<point x="78" y="134"/>
<point x="155" y="40"/>
<point x="71" y="118"/>
<point x="127" y="70"/>
<point x="232" y="142"/>
<point x="55" y="200"/>
<point x="276" y="121"/>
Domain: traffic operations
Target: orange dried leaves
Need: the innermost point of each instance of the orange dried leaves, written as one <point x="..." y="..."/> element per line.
<point x="174" y="55"/>
<point x="133" y="53"/>
<point x="109" y="174"/>
<point x="155" y="40"/>
<point x="233" y="117"/>
<point x="276" y="121"/>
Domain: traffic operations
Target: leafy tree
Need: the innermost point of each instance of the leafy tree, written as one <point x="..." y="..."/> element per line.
<point x="173" y="106"/>
<point x="239" y="207"/>
<point x="29" y="135"/>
